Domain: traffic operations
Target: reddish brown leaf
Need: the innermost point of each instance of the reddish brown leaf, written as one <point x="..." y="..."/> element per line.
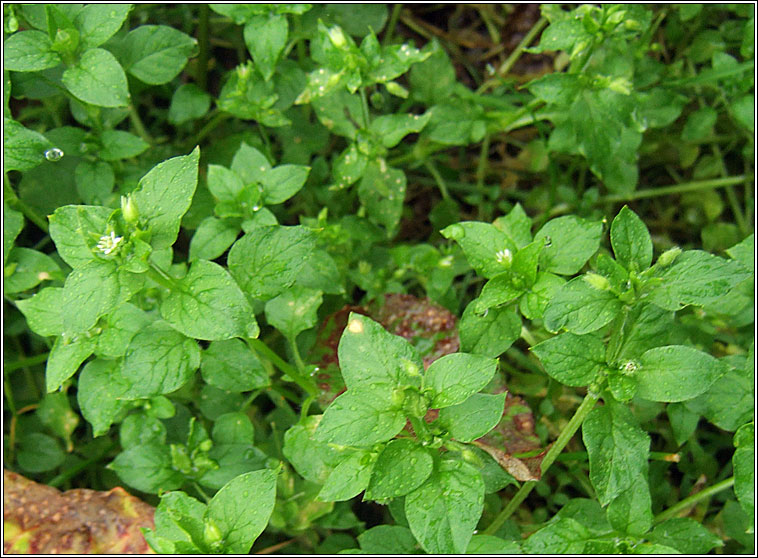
<point x="39" y="519"/>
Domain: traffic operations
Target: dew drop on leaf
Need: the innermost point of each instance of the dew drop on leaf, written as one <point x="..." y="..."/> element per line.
<point x="54" y="154"/>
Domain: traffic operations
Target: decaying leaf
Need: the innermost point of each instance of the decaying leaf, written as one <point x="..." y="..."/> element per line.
<point x="40" y="519"/>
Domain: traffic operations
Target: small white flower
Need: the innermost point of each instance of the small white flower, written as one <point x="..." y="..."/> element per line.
<point x="109" y="243"/>
<point x="503" y="256"/>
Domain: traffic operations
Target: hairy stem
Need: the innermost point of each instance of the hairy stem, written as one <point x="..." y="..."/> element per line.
<point x="691" y="501"/>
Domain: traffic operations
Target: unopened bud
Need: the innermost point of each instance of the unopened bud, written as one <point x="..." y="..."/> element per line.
<point x="668" y="257"/>
<point x="597" y="281"/>
<point x="129" y="209"/>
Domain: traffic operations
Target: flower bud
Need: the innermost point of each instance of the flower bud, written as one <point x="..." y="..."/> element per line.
<point x="597" y="281"/>
<point x="668" y="257"/>
<point x="129" y="209"/>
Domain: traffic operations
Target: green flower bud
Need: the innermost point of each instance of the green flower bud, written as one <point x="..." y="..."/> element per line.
<point x="129" y="209"/>
<point x="212" y="534"/>
<point x="668" y="257"/>
<point x="597" y="281"/>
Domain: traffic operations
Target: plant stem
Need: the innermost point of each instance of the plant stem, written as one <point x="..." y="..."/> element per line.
<point x="161" y="277"/>
<point x="396" y="9"/>
<point x="481" y="169"/>
<point x="15" y="202"/>
<point x="676" y="189"/>
<point x="691" y="501"/>
<point x="429" y="164"/>
<point x="516" y="54"/>
<point x="203" y="45"/>
<point x="139" y="126"/>
<point x="261" y="348"/>
<point x="68" y="473"/>
<point x="364" y="107"/>
<point x="215" y="120"/>
<point x="584" y="456"/>
<point x="565" y="436"/>
<point x="24" y="362"/>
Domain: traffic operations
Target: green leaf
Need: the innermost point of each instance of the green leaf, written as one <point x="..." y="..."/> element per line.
<point x="489" y="334"/>
<point x="94" y="181"/>
<point x="360" y="417"/>
<point x="743" y="252"/>
<point x="565" y="536"/>
<point x="98" y="79"/>
<point x="156" y="53"/>
<point x="631" y="511"/>
<point x="388" y="539"/>
<point x="164" y="195"/>
<point x="90" y="292"/>
<point x="392" y="128"/>
<point x="265" y="38"/>
<point x="147" y="468"/>
<point x="400" y="468"/>
<point x="75" y="229"/>
<point x="294" y="310"/>
<point x="232" y="366"/>
<point x="29" y="51"/>
<point x="268" y="259"/>
<point x="618" y="450"/>
<point x="743" y="462"/>
<point x="312" y="459"/>
<point x="320" y="273"/>
<point x="569" y="242"/>
<point x="97" y="23"/>
<point x="283" y="182"/>
<point x="188" y="102"/>
<point x="443" y="512"/>
<point x="121" y="326"/>
<point x="13" y="224"/>
<point x="676" y="373"/>
<point x="486" y="247"/>
<point x="55" y="413"/>
<point x="473" y="418"/>
<point x="179" y="517"/>
<point x="533" y="303"/>
<point x="695" y="277"/>
<point x="100" y="387"/>
<point x="30" y="268"/>
<point x="241" y="509"/>
<point x="433" y="80"/>
<point x="338" y="112"/>
<point x="685" y="535"/>
<point x="517" y="225"/>
<point x="454" y="378"/>
<point x="580" y="307"/>
<point x="121" y="145"/>
<point x="382" y="191"/>
<point x="23" y="149"/>
<point x="38" y="453"/>
<point x="159" y="360"/>
<point x="207" y="304"/>
<point x="488" y="544"/>
<point x="729" y="402"/>
<point x="43" y="311"/>
<point x="371" y="357"/>
<point x="65" y="358"/>
<point x="631" y="241"/>
<point x="212" y="238"/>
<point x="499" y="290"/>
<point x="642" y="327"/>
<point x="348" y="479"/>
<point x="573" y="360"/>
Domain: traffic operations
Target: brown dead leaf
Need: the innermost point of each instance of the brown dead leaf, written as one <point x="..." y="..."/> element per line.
<point x="40" y="519"/>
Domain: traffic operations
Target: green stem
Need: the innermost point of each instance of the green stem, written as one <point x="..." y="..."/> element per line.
<point x="516" y="54"/>
<point x="262" y="349"/>
<point x="68" y="473"/>
<point x="676" y="189"/>
<point x="16" y="203"/>
<point x="691" y="501"/>
<point x="162" y="278"/>
<point x="203" y="45"/>
<point x="24" y="362"/>
<point x="429" y="164"/>
<point x="584" y="456"/>
<point x="364" y="107"/>
<point x="296" y="355"/>
<point x="200" y="491"/>
<point x="396" y="9"/>
<point x="481" y="170"/>
<point x="139" y="126"/>
<point x="212" y="124"/>
<point x="563" y="439"/>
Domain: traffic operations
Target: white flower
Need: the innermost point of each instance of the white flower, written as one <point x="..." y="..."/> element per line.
<point x="109" y="243"/>
<point x="503" y="256"/>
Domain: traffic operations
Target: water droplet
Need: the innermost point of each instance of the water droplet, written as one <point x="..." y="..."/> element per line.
<point x="54" y="154"/>
<point x="548" y="242"/>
